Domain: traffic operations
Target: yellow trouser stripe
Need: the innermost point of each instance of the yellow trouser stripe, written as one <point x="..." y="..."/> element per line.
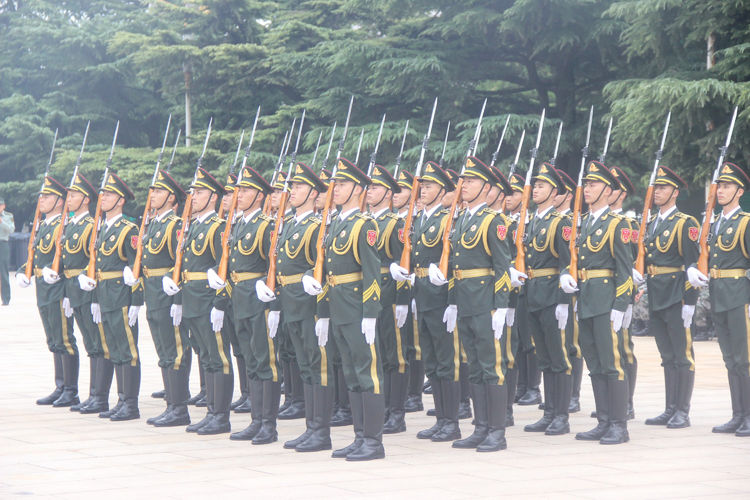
<point x="374" y="369"/>
<point x="626" y="344"/>
<point x="104" y="340"/>
<point x="747" y="332"/>
<point x="616" y="353"/>
<point x="271" y="353"/>
<point x="575" y="333"/>
<point x="456" y="354"/>
<point x="131" y="340"/>
<point x="464" y="359"/>
<point x="65" y="339"/>
<point x="565" y="353"/>
<point x="323" y="366"/>
<point x="178" y="345"/>
<point x="399" y="348"/>
<point x="225" y="366"/>
<point x="417" y="348"/>
<point x="499" y="363"/>
<point x="689" y="348"/>
<point x="509" y="348"/>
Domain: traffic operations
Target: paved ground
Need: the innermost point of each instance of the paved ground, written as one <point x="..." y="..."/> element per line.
<point x="49" y="452"/>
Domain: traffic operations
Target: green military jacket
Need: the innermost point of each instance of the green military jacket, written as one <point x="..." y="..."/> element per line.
<point x="480" y="242"/>
<point x="634" y="227"/>
<point x="75" y="258"/>
<point x="604" y="247"/>
<point x="296" y="255"/>
<point x="390" y="246"/>
<point x="427" y="247"/>
<point x="671" y="243"/>
<point x="159" y="244"/>
<point x="116" y="248"/>
<point x="351" y="249"/>
<point x="44" y="254"/>
<point x="729" y="250"/>
<point x="547" y="246"/>
<point x="202" y="251"/>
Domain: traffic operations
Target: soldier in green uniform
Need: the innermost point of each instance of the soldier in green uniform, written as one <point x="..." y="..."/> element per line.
<point x="7" y="227"/>
<point x="604" y="284"/>
<point x="202" y="251"/>
<point x="116" y="304"/>
<point x="728" y="263"/>
<point x="256" y="327"/>
<point x="49" y="298"/>
<point x="670" y="241"/>
<point x="440" y="350"/>
<point x="547" y="251"/>
<point x="479" y="292"/>
<point x="350" y="302"/>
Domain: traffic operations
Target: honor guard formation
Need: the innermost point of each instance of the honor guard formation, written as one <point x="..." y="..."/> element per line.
<point x="352" y="285"/>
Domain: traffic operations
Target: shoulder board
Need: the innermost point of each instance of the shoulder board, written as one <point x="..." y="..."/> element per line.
<point x="87" y="220"/>
<point x="126" y="223"/>
<point x="744" y="214"/>
<point x="172" y="217"/>
<point x="216" y="218"/>
<point x="391" y="215"/>
<point x="266" y="217"/>
<point x="487" y="210"/>
<point x="360" y="215"/>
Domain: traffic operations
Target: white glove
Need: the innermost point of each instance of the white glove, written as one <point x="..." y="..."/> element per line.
<point x="628" y="316"/>
<point x="217" y="319"/>
<point x="638" y="278"/>
<point x="321" y="331"/>
<point x="311" y="285"/>
<point x="510" y="316"/>
<point x="214" y="281"/>
<point x="49" y="276"/>
<point x="401" y="313"/>
<point x="22" y="281"/>
<point x="687" y="315"/>
<point x="449" y="317"/>
<point x="128" y="277"/>
<point x="176" y="313"/>
<point x="96" y="313"/>
<point x="436" y="276"/>
<point x="498" y="321"/>
<point x="66" y="307"/>
<point x="561" y="315"/>
<point x="273" y="322"/>
<point x="86" y="283"/>
<point x="133" y="315"/>
<point x="412" y="278"/>
<point x="414" y="308"/>
<point x="368" y="329"/>
<point x="169" y="286"/>
<point x="516" y="277"/>
<point x="398" y="272"/>
<point x="696" y="278"/>
<point x="568" y="284"/>
<point x="264" y="293"/>
<point x="616" y="317"/>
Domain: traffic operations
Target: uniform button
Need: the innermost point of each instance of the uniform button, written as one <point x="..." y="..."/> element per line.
<point x="583" y="257"/>
<point x="606" y="280"/>
<point x="329" y="260"/>
<point x="356" y="289"/>
<point x="232" y="259"/>
<point x="457" y="253"/>
<point x="416" y="253"/>
<point x="279" y="261"/>
<point x="650" y="255"/>
<point x="330" y="272"/>
<point x="716" y="255"/>
<point x="583" y="246"/>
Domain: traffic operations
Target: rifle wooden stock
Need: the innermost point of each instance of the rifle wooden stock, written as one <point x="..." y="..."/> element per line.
<point x="445" y="256"/>
<point x="408" y="223"/>
<point x="58" y="242"/>
<point x="705" y="229"/>
<point x="363" y="200"/>
<point x="639" y="264"/>
<point x="141" y="233"/>
<point x="178" y="251"/>
<point x="271" y="278"/>
<point x="320" y="257"/>
<point x="267" y="205"/>
<point x="224" y="262"/>
<point x="577" y="206"/>
<point x="520" y="248"/>
<point x="91" y="270"/>
<point x="29" y="270"/>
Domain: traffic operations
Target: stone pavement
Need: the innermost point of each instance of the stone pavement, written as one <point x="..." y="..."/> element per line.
<point x="49" y="452"/>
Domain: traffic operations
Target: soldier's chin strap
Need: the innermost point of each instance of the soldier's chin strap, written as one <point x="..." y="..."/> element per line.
<point x="206" y="204"/>
<point x="495" y="200"/>
<point x="442" y="190"/>
<point x="307" y="197"/>
<point x="553" y="190"/>
<point x="80" y="204"/>
<point x="354" y="185"/>
<point x="166" y="200"/>
<point x="604" y="186"/>
<point x="484" y="183"/>
<point x="381" y="198"/>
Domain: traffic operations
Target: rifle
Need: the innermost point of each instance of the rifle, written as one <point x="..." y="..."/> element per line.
<point x="514" y="165"/>
<point x="520" y="263"/>
<point x="315" y="154"/>
<point x="279" y="164"/>
<point x="29" y="269"/>
<point x="457" y="198"/>
<point x="401" y="152"/>
<point x="553" y="160"/>
<point x="578" y="203"/>
<point x="359" y="146"/>
<point x="174" y="149"/>
<point x="328" y="151"/>
<point x="500" y="143"/>
<point x="648" y="201"/>
<point x="320" y="255"/>
<point x="606" y="142"/>
<point x="147" y="208"/>
<point x="409" y="219"/>
<point x="363" y="196"/>
<point x="232" y="167"/>
<point x="225" y="236"/>
<point x="271" y="276"/>
<point x="91" y="270"/>
<point x="445" y="143"/>
<point x="187" y="212"/>
<point x="711" y="201"/>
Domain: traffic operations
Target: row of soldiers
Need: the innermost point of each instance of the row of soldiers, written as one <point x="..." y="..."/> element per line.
<point x="373" y="323"/>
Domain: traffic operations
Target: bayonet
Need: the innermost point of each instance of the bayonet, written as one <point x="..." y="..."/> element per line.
<point x="401" y="151"/>
<point x="330" y="143"/>
<point x="606" y="142"/>
<point x="315" y="154"/>
<point x="553" y="160"/>
<point x="445" y="143"/>
<point x="500" y="143"/>
<point x="174" y="149"/>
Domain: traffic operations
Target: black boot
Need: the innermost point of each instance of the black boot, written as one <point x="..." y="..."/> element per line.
<point x="511" y="381"/>
<point x="132" y="384"/>
<point x="297" y="408"/>
<point x="416" y="379"/>
<point x="168" y="409"/>
<point x="618" y="392"/>
<point x="256" y="413"/>
<point x="69" y="396"/>
<point x="208" y="378"/>
<point x="162" y="394"/>
<point x="562" y="385"/>
<point x="386" y="392"/>
<point x="481" y="418"/>
<point x="533" y="377"/>
<point x="103" y="374"/>
<point x="737" y="412"/>
<point x="497" y="404"/>
<point x="372" y="442"/>
<point x="92" y="387"/>
<point x="522" y="380"/>
<point x="575" y="393"/>
<point x="464" y="404"/>
<point x="450" y="431"/>
<point x="681" y="417"/>
<point x="178" y="395"/>
<point x="200" y="398"/>
<point x="286" y="370"/>
<point x="120" y="382"/>
<point x="59" y="382"/>
<point x="223" y="389"/>
<point x="396" y="419"/>
<point x="271" y="394"/>
<point x="601" y="402"/>
<point x="438" y="397"/>
<point x="322" y="403"/>
<point x="549" y="407"/>
<point x="671" y="384"/>
<point x="309" y="408"/>
<point x="744" y="429"/>
<point x="343" y="414"/>
<point x="358" y="420"/>
<point x="242" y="405"/>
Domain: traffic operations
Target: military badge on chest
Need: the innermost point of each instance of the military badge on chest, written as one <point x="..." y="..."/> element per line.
<point x="502" y="232"/>
<point x="372" y="237"/>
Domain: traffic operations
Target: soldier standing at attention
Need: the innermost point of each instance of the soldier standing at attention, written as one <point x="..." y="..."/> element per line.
<point x="351" y="303"/>
<point x="7" y="226"/>
<point x="49" y="298"/>
<point x="116" y="304"/>
<point x="728" y="263"/>
<point x="671" y="246"/>
<point x="604" y="285"/>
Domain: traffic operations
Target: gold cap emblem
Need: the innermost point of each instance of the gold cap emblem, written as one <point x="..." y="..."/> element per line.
<point x="726" y="170"/>
<point x="593" y="167"/>
<point x="661" y="172"/>
<point x="470" y="162"/>
<point x="342" y="165"/>
<point x="429" y="168"/>
<point x="299" y="169"/>
<point x="544" y="169"/>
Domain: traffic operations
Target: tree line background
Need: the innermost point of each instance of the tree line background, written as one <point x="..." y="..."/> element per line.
<point x="68" y="61"/>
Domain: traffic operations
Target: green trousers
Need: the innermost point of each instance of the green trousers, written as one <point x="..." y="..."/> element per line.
<point x="92" y="336"/>
<point x="213" y="349"/>
<point x="675" y="342"/>
<point x="163" y="335"/>
<point x="571" y="332"/>
<point x="600" y="345"/>
<point x="485" y="354"/>
<point x="259" y="350"/>
<point x="316" y="368"/>
<point x="549" y="341"/>
<point x="360" y="361"/>
<point x="120" y="339"/>
<point x="440" y="349"/>
<point x="733" y="331"/>
<point x="58" y="329"/>
<point x="393" y="341"/>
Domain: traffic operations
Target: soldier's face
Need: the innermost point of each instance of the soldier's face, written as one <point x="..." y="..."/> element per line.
<point x="47" y="202"/>
<point x="110" y="200"/>
<point x="727" y="192"/>
<point x="560" y="200"/>
<point x="662" y="194"/>
<point x="447" y="200"/>
<point x="429" y="192"/>
<point x="614" y="196"/>
<point x="401" y="198"/>
<point x="275" y="199"/>
<point x="201" y="198"/>
<point x="492" y="194"/>
<point x="376" y="194"/>
<point x="299" y="193"/>
<point x="541" y="192"/>
<point x="159" y="197"/>
<point x="320" y="201"/>
<point x="471" y="188"/>
<point x="592" y="191"/>
<point x="342" y="192"/>
<point x="513" y="201"/>
<point x="74" y="200"/>
<point x="226" y="202"/>
<point x="246" y="197"/>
